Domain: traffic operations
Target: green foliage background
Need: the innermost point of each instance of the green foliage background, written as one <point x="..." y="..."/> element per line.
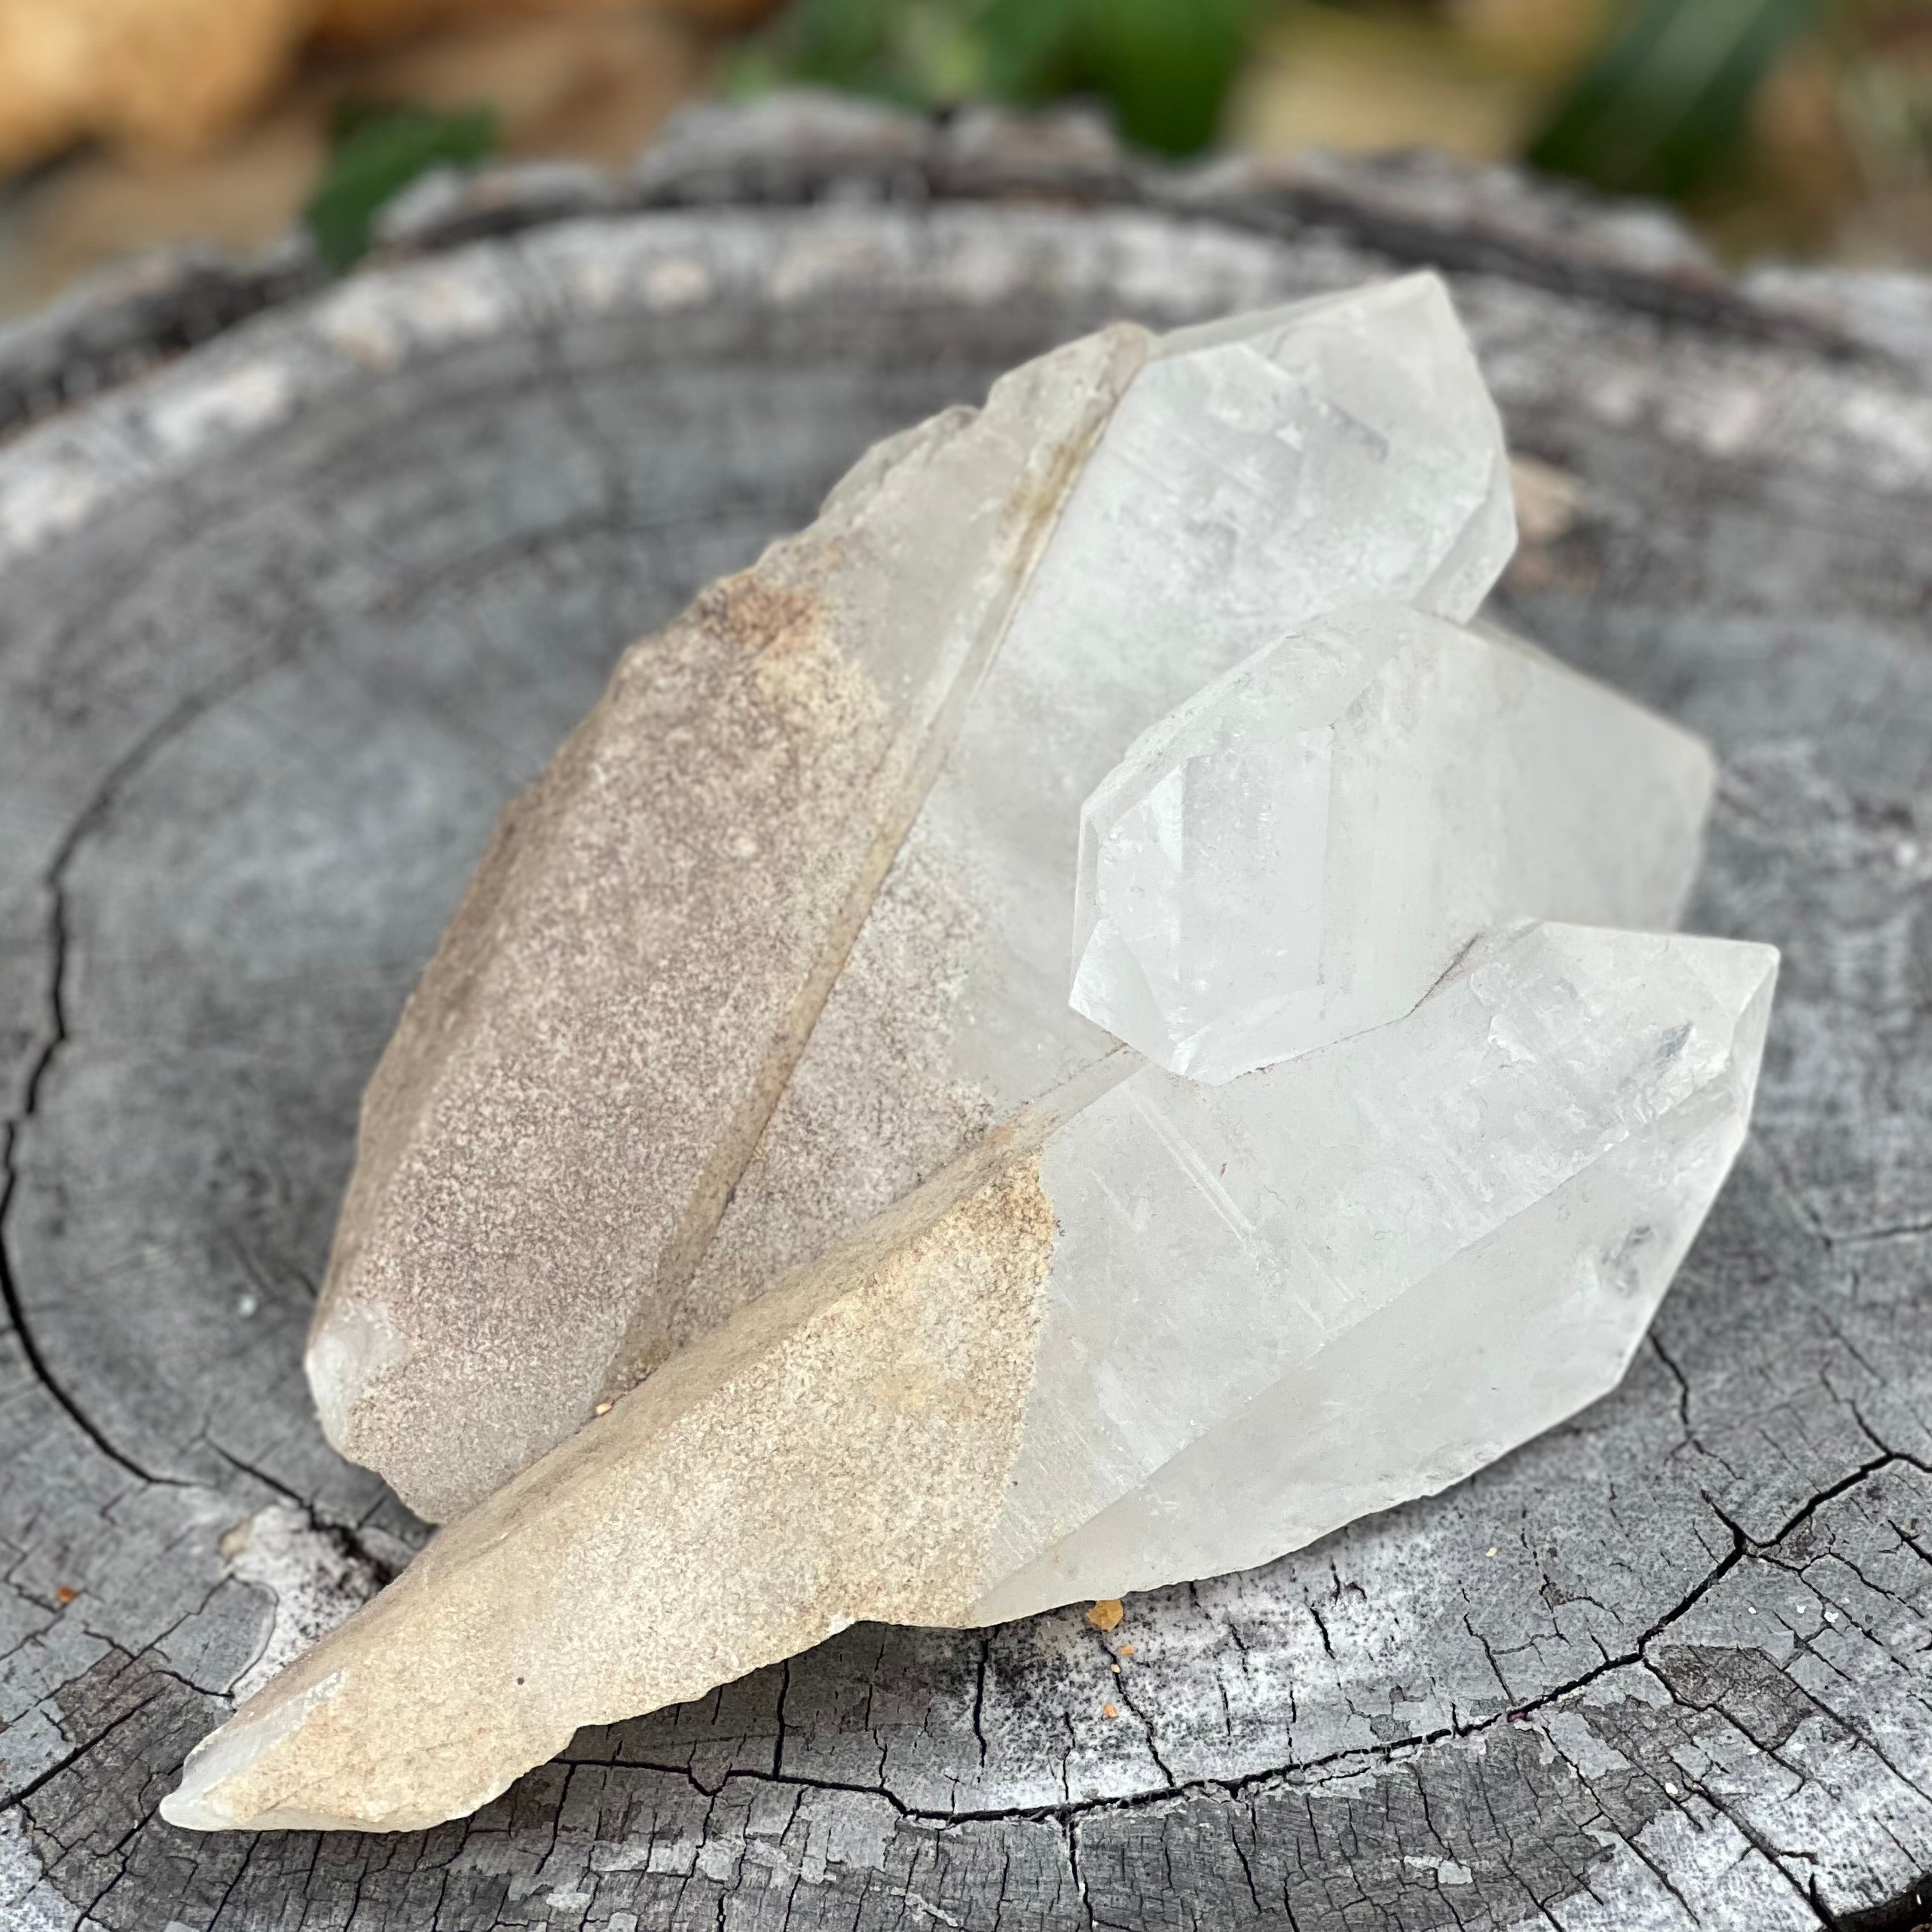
<point x="1163" y="66"/>
<point x="1662" y="102"/>
<point x="1660" y="109"/>
<point x="378" y="152"/>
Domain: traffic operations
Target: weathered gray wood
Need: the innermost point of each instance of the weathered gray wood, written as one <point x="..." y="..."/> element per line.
<point x="281" y="623"/>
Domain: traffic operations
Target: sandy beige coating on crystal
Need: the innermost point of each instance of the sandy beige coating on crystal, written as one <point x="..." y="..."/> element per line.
<point x="594" y="1050"/>
<point x="839" y="1451"/>
<point x="872" y="1109"/>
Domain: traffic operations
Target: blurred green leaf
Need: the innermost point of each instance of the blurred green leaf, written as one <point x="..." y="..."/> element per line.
<point x="1163" y="66"/>
<point x="1664" y="107"/>
<point x="1027" y="45"/>
<point x="378" y="152"/>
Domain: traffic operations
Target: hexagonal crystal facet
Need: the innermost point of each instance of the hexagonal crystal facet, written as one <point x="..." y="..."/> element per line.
<point x="1301" y="851"/>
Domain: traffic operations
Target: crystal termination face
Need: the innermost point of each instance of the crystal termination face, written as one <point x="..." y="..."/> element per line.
<point x="1301" y="850"/>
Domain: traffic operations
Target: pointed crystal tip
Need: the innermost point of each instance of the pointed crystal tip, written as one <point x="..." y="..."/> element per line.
<point x="1300" y="851"/>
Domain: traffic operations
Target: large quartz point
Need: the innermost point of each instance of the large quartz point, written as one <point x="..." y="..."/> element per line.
<point x="782" y="930"/>
<point x="1154" y="1329"/>
<point x="1300" y="850"/>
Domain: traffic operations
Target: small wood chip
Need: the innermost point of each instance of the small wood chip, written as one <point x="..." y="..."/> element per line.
<point x="1548" y="500"/>
<point x="602" y="1409"/>
<point x="63" y="1596"/>
<point x="1106" y="1614"/>
<point x="1107" y="1710"/>
<point x="1127" y="1650"/>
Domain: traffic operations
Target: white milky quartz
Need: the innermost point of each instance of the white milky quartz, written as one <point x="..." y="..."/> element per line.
<point x="1300" y="850"/>
<point x="1353" y="1278"/>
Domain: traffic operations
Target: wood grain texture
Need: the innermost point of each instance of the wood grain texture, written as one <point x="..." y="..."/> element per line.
<point x="283" y="621"/>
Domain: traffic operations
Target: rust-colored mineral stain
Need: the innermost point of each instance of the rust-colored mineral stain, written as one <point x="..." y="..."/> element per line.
<point x="751" y="610"/>
<point x="1106" y="1615"/>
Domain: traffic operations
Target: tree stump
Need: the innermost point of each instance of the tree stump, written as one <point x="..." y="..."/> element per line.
<point x="285" y="618"/>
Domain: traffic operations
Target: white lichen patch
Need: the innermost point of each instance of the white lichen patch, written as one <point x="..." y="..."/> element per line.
<point x="313" y="1578"/>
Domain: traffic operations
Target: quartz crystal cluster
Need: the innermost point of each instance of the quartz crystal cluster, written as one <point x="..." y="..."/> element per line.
<point x="749" y="1235"/>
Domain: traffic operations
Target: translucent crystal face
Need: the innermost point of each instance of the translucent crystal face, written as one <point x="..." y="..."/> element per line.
<point x="1352" y="1278"/>
<point x="1352" y="434"/>
<point x="1257" y="473"/>
<point x="1299" y="852"/>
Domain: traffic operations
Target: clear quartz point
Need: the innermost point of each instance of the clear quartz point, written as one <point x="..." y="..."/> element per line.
<point x="1302" y="849"/>
<point x="1353" y="1277"/>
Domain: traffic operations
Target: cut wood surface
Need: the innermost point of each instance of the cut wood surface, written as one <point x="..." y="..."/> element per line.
<point x="286" y="616"/>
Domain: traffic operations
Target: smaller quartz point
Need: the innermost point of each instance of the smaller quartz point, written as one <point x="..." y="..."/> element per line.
<point x="1301" y="850"/>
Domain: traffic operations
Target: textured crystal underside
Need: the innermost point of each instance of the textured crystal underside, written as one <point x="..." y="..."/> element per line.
<point x="1303" y="849"/>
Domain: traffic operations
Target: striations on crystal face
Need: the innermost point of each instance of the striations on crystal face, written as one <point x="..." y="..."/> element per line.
<point x="1300" y="850"/>
<point x="1156" y="1330"/>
